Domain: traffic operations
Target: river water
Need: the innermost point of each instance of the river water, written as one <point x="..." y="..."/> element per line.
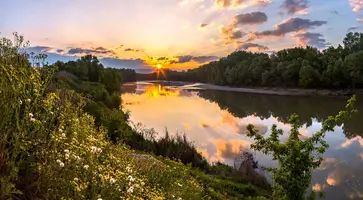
<point x="216" y="122"/>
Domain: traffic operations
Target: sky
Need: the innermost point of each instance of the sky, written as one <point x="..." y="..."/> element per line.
<point x="178" y="34"/>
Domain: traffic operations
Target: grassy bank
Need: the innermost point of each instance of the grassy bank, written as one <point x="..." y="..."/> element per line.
<point x="64" y="136"/>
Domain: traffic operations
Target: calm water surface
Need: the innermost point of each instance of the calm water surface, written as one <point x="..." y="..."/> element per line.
<point x="216" y="121"/>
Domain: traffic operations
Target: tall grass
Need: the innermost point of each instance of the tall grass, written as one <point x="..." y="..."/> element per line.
<point x="51" y="149"/>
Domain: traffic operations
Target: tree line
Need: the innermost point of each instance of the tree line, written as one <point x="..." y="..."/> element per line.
<point x="338" y="67"/>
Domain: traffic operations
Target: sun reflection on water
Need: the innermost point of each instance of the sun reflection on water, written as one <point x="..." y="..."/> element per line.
<point x="156" y="91"/>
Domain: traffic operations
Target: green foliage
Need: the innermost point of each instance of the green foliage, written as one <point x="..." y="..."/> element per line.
<point x="335" y="67"/>
<point x="354" y="63"/>
<point x="308" y="75"/>
<point x="296" y="157"/>
<point x="50" y="148"/>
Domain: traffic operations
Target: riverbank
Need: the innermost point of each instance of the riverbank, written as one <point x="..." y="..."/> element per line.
<point x="258" y="90"/>
<point x="275" y="91"/>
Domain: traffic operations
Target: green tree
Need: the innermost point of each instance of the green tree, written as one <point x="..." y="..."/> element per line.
<point x="354" y="64"/>
<point x="353" y="42"/>
<point x="309" y="76"/>
<point x="296" y="157"/>
<point x="111" y="79"/>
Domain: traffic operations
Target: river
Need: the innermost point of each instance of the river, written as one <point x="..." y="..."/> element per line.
<point x="216" y="122"/>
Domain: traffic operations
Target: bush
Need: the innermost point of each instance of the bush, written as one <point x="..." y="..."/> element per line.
<point x="50" y="148"/>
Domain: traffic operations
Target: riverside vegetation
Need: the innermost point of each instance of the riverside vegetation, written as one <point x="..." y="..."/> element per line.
<point x="64" y="136"/>
<point x="338" y="67"/>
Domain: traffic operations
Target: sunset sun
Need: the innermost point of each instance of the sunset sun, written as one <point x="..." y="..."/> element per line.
<point x="159" y="66"/>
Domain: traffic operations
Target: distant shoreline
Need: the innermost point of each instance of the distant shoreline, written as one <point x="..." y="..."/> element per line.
<point x="258" y="90"/>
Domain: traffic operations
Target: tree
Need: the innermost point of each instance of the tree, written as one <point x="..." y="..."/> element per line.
<point x="296" y="157"/>
<point x="353" y="42"/>
<point x="308" y="75"/>
<point x="354" y="64"/>
<point x="111" y="80"/>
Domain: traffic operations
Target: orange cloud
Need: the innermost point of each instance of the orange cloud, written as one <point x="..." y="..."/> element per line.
<point x="332" y="181"/>
<point x="349" y="142"/>
<point x="319" y="187"/>
<point x="230" y="148"/>
<point x="357" y="5"/>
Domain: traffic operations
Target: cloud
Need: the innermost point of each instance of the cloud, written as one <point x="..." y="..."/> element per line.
<point x="229" y="149"/>
<point x="353" y="28"/>
<point x="187" y="2"/>
<point x="79" y="51"/>
<point x="250" y="18"/>
<point x="292" y="7"/>
<point x="357" y="5"/>
<point x="203" y="59"/>
<point x="349" y="142"/>
<point x="44" y="49"/>
<point x="290" y="25"/>
<point x="228" y="4"/>
<point x="231" y="34"/>
<point x="134" y="50"/>
<point x="359" y="20"/>
<point x="252" y="47"/>
<point x="100" y="51"/>
<point x="311" y="39"/>
<point x="124" y="63"/>
<point x="203" y="26"/>
<point x="319" y="187"/>
<point x="328" y="163"/>
<point x="180" y="59"/>
<point x="184" y="59"/>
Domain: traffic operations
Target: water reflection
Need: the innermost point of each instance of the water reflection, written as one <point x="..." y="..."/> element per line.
<point x="216" y="121"/>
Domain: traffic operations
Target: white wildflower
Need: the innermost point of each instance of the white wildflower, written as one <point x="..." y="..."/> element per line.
<point x="31" y="115"/>
<point x="28" y="100"/>
<point x="128" y="169"/>
<point x="75" y="179"/>
<point x="66" y="151"/>
<point x="67" y="156"/>
<point x="61" y="164"/>
<point x="63" y="135"/>
<point x="99" y="150"/>
<point x="86" y="167"/>
<point x="93" y="149"/>
<point x="180" y="198"/>
<point x="112" y="180"/>
<point x="51" y="113"/>
<point x="131" y="189"/>
<point x="180" y="185"/>
<point x="99" y="199"/>
<point x="32" y="119"/>
<point x="142" y="183"/>
<point x="20" y="102"/>
<point x="131" y="178"/>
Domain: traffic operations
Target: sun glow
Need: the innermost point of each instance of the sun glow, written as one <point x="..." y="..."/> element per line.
<point x="159" y="66"/>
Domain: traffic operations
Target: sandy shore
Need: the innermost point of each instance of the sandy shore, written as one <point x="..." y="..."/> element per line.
<point x="272" y="91"/>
